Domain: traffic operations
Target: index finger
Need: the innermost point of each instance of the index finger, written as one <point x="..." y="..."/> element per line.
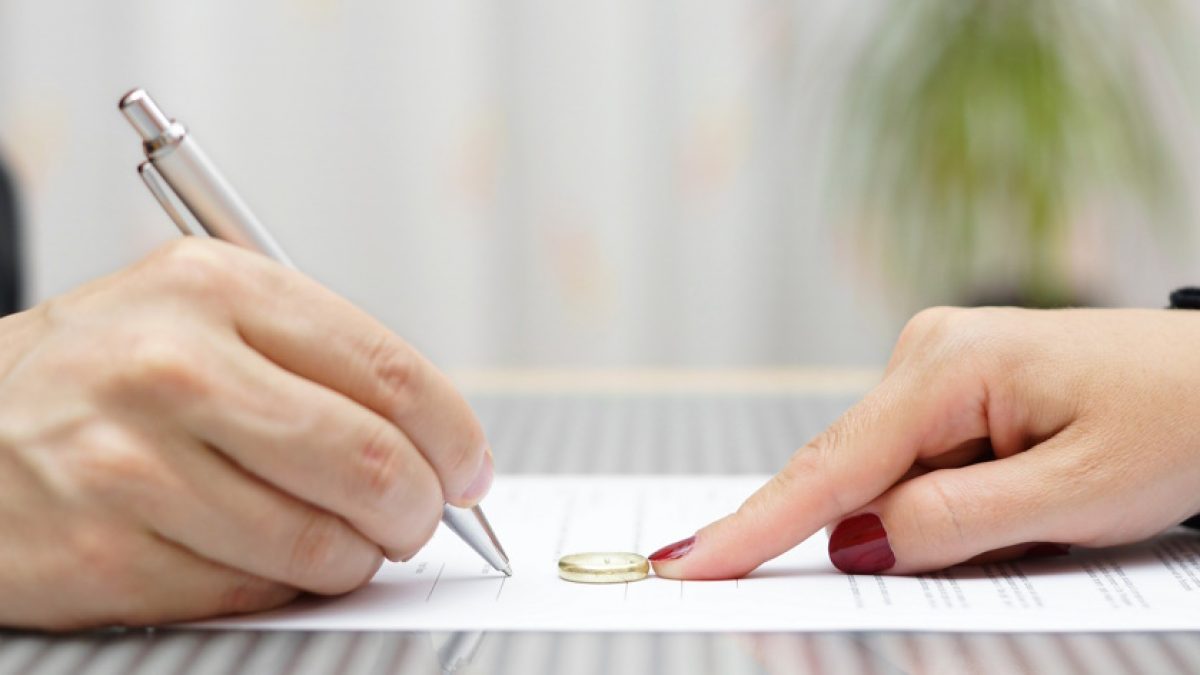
<point x="861" y="455"/>
<point x="307" y="329"/>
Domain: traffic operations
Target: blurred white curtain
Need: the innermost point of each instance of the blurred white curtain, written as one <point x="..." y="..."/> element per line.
<point x="538" y="182"/>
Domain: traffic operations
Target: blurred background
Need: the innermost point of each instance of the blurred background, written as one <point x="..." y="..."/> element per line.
<point x="623" y="183"/>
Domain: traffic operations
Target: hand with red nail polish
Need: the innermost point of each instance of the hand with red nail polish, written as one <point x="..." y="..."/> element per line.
<point x="996" y="433"/>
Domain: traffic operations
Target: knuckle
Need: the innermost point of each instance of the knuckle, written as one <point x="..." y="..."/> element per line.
<point x="210" y="272"/>
<point x="315" y="547"/>
<point x="394" y="368"/>
<point x="380" y="468"/>
<point x="195" y="266"/>
<point x="922" y="324"/>
<point x="801" y="473"/>
<point x="811" y="459"/>
<point x="810" y="463"/>
<point x="982" y="336"/>
<point x="945" y="328"/>
<point x="947" y="335"/>
<point x="163" y="366"/>
<point x="114" y="466"/>
<point x="928" y="317"/>
<point x="757" y="508"/>
<point x="936" y="512"/>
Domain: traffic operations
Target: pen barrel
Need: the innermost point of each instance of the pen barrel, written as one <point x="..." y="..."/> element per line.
<point x="473" y="527"/>
<point x="212" y="200"/>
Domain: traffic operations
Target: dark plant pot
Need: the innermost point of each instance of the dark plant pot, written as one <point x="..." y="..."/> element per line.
<point x="1014" y="296"/>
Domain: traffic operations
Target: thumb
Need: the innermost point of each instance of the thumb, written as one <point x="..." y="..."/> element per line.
<point x="851" y="463"/>
<point x="978" y="513"/>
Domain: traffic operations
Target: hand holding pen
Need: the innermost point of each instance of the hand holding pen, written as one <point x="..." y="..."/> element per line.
<point x="210" y="432"/>
<point x="176" y="165"/>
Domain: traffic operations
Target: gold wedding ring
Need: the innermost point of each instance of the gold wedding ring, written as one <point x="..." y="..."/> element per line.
<point x="603" y="568"/>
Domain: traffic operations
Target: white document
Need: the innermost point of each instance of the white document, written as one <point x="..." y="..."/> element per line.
<point x="1151" y="586"/>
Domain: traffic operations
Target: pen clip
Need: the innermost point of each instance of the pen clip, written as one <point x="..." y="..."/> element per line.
<point x="163" y="192"/>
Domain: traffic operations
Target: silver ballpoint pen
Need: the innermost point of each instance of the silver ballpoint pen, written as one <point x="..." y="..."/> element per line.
<point x="176" y="165"/>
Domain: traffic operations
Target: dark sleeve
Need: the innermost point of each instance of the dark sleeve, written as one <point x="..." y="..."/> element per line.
<point x="10" y="247"/>
<point x="1187" y="297"/>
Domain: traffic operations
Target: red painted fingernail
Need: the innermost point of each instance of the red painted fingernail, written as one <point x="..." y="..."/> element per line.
<point x="674" y="551"/>
<point x="859" y="545"/>
<point x="1047" y="549"/>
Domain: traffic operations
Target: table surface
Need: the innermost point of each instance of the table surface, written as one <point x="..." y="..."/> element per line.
<point x="634" y="422"/>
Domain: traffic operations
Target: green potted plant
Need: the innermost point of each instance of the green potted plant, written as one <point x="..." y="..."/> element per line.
<point x="975" y="133"/>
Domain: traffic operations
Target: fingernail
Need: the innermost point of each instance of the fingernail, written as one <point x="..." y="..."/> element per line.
<point x="674" y="551"/>
<point x="859" y="545"/>
<point x="483" y="479"/>
<point x="1047" y="549"/>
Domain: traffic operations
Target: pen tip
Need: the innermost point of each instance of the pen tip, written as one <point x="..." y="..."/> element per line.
<point x="507" y="570"/>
